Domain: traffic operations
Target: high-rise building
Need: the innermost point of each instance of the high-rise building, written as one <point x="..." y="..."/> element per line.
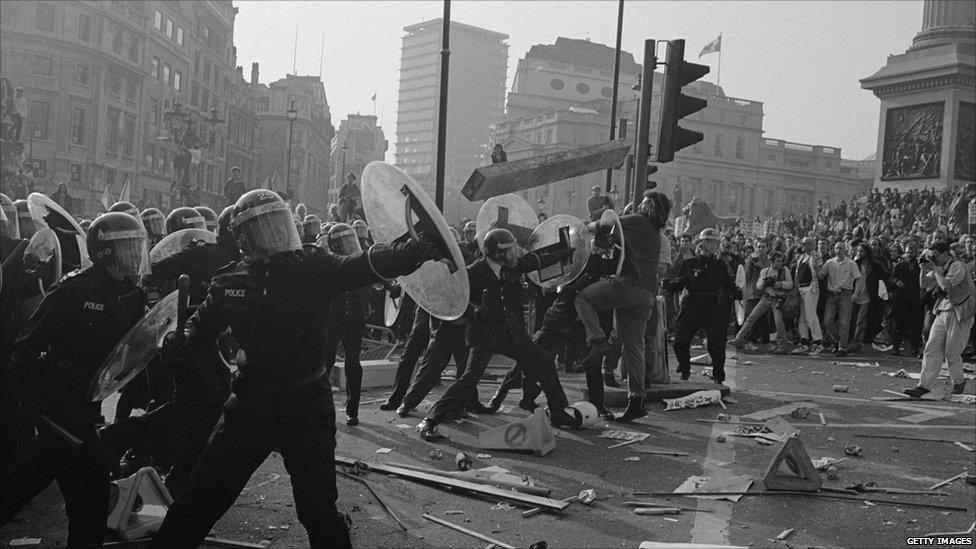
<point x="476" y="99"/>
<point x="311" y="134"/>
<point x="358" y="141"/>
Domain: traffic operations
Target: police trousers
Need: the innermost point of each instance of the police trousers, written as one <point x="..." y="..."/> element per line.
<point x="300" y="422"/>
<point x="702" y="314"/>
<point x="417" y="342"/>
<point x="447" y="342"/>
<point x="352" y="345"/>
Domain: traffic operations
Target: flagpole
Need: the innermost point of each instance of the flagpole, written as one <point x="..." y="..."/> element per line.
<point x="718" y="73"/>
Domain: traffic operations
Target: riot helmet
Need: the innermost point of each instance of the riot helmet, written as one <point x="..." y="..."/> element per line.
<point x="499" y="246"/>
<point x="184" y="218"/>
<point x="470" y="231"/>
<point x="263" y="226"/>
<point x="155" y="223"/>
<point x="225" y="236"/>
<point x="362" y="229"/>
<point x="343" y="240"/>
<point x="209" y="217"/>
<point x="301" y="210"/>
<point x="711" y="241"/>
<point x="9" y="226"/>
<point x="311" y="228"/>
<point x="24" y="220"/>
<point x="117" y="240"/>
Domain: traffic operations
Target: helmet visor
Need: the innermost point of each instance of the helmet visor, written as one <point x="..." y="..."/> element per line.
<point x="344" y="242"/>
<point x="196" y="222"/>
<point x="267" y="230"/>
<point x="155" y="224"/>
<point x="129" y="251"/>
<point x="711" y="245"/>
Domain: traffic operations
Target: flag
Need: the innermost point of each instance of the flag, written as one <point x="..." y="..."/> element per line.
<point x="106" y="198"/>
<point x="124" y="196"/>
<point x="374" y="96"/>
<point x="712" y="47"/>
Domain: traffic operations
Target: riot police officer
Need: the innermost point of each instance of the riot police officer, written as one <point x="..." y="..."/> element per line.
<point x="362" y="233"/>
<point x="711" y="290"/>
<point x="311" y="229"/>
<point x="209" y="217"/>
<point x="272" y="302"/>
<point x="55" y="357"/>
<point x="184" y="217"/>
<point x="126" y="207"/>
<point x="155" y="223"/>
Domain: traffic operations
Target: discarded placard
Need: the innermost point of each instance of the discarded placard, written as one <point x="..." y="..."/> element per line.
<point x="616" y="434"/>
<point x="694" y="400"/>
<point x="384" y="450"/>
<point x="724" y="483"/>
<point x="821" y="464"/>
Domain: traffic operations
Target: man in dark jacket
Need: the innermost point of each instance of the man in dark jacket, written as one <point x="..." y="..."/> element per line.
<point x="905" y="319"/>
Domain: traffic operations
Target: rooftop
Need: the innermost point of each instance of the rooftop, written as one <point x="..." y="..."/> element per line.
<point x="583" y="53"/>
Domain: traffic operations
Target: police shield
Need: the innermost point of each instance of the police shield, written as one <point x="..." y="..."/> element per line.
<point x="391" y="309"/>
<point x="172" y="243"/>
<point x="47" y="214"/>
<point x="43" y="256"/>
<point x="561" y="230"/>
<point x="136" y="349"/>
<point x="508" y="211"/>
<point x="396" y="206"/>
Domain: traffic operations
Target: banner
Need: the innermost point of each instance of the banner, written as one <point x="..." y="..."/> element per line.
<point x="972" y="212"/>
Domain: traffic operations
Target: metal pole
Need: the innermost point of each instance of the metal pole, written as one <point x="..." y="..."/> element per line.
<point x="288" y="166"/>
<point x="616" y="86"/>
<point x="644" y="122"/>
<point x="442" y="108"/>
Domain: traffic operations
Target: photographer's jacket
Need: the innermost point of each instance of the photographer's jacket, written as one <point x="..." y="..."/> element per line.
<point x="958" y="291"/>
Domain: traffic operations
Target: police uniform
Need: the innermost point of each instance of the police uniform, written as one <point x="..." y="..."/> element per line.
<point x="347" y="326"/>
<point x="281" y="399"/>
<point x="710" y="287"/>
<point x="55" y="358"/>
<point x="413" y="349"/>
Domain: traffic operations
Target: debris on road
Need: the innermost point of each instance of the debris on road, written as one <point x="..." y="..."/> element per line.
<point x="384" y="450"/>
<point x="472" y="533"/>
<point x="948" y="480"/>
<point x="587" y="497"/>
<point x="840" y="388"/>
<point x="632" y="458"/>
<point x="853" y="450"/>
<point x="784" y="534"/>
<point x="20" y="542"/>
<point x="657" y="511"/>
<point x="857" y="364"/>
<point x="483" y="456"/>
<point x="822" y="464"/>
<point x="463" y="461"/>
<point x="694" y="400"/>
<point x="436" y="454"/>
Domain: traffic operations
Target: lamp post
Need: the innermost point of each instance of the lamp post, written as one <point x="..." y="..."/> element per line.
<point x="180" y="125"/>
<point x="345" y="146"/>
<point x="292" y="116"/>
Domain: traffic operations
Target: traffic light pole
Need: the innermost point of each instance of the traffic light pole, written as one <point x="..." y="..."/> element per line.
<point x="644" y="123"/>
<point x="442" y="108"/>
<point x="616" y="87"/>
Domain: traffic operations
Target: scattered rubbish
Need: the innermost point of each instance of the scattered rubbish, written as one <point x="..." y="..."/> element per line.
<point x="378" y="499"/>
<point x="970" y="479"/>
<point x="586" y="497"/>
<point x="670" y="519"/>
<point x="463" y="461"/>
<point x="763" y="442"/>
<point x="500" y="506"/>
<point x="402" y="426"/>
<point x="694" y="400"/>
<point x="840" y="388"/>
<point x="632" y="458"/>
<point x="784" y="534"/>
<point x="724" y="418"/>
<point x="972" y="527"/>
<point x="657" y="511"/>
<point x="726" y="482"/>
<point x="730" y="400"/>
<point x="747" y="363"/>
<point x="948" y="480"/>
<point x="19" y="542"/>
<point x="645" y="450"/>
<point x="858" y="364"/>
<point x="483" y="456"/>
<point x="272" y="527"/>
<point x="853" y="450"/>
<point x="801" y="412"/>
<point x="720" y="438"/>
<point x="384" y="450"/>
<point x="831" y="473"/>
<point x="831" y="439"/>
<point x="823" y="420"/>
<point x="471" y="533"/>
<point x="494" y="476"/>
<point x="869" y="503"/>
<point x="436" y="454"/>
<point x="537" y="510"/>
<point x="628" y="437"/>
<point x="528" y="434"/>
<point x="672" y="545"/>
<point x="963" y="446"/>
<point x="539" y="545"/>
<point x="964" y="399"/>
<point x="823" y="463"/>
<point x="453" y="512"/>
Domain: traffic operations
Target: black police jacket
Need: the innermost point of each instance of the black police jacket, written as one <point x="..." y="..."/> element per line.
<point x="199" y="260"/>
<point x="277" y="309"/>
<point x="76" y="326"/>
<point x="707" y="280"/>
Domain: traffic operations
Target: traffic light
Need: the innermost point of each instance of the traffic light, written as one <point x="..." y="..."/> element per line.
<point x="675" y="105"/>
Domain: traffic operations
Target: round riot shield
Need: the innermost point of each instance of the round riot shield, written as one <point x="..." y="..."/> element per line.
<point x="43" y="256"/>
<point x="550" y="233"/>
<point x="139" y="346"/>
<point x="47" y="214"/>
<point x="508" y="211"/>
<point x="172" y="243"/>
<point x="392" y="309"/>
<point x="389" y="198"/>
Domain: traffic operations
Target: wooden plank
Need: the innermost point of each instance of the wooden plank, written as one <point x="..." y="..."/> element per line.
<point x="519" y="175"/>
<point x="535" y="490"/>
<point x="471" y="533"/>
<point x="899" y="437"/>
<point x="808" y="494"/>
<point x="528" y="500"/>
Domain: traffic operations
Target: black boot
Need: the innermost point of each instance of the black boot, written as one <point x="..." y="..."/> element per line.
<point x="496" y="399"/>
<point x="635" y="409"/>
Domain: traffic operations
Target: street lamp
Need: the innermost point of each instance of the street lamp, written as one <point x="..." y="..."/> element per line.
<point x="345" y="145"/>
<point x="180" y="125"/>
<point x="292" y="116"/>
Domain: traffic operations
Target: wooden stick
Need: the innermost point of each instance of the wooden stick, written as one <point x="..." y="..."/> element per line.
<point x="900" y="437"/>
<point x="657" y="511"/>
<point x="650" y="504"/>
<point x="659" y="452"/>
<point x="537" y="510"/>
<point x="963" y="446"/>
<point x="823" y="420"/>
<point x="535" y="490"/>
<point x="805" y="494"/>
<point x="378" y="498"/>
<point x="905" y="492"/>
<point x="947" y="481"/>
<point x="624" y="443"/>
<point x="731" y="422"/>
<point x="838" y="491"/>
<point x="471" y="533"/>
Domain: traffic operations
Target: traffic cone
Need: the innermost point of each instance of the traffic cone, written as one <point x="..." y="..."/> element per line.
<point x="530" y="434"/>
<point x="138" y="504"/>
<point x="801" y="475"/>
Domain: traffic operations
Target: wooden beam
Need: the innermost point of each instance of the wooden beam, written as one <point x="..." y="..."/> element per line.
<point x="806" y="494"/>
<point x="528" y="173"/>
<point x="449" y="483"/>
<point x="471" y="533"/>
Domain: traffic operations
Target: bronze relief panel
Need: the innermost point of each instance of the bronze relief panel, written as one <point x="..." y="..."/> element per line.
<point x="913" y="142"/>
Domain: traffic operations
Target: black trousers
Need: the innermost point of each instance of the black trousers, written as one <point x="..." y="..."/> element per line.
<point x="82" y="475"/>
<point x="447" y="342"/>
<point x="537" y="364"/>
<point x="708" y="315"/>
<point x="352" y="344"/>
<point x="417" y="342"/>
<point x="300" y="423"/>
<point x="905" y="324"/>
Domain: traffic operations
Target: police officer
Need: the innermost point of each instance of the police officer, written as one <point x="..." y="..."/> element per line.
<point x="311" y="229"/>
<point x="272" y="302"/>
<point x="126" y="207"/>
<point x="469" y="241"/>
<point x="184" y="217"/>
<point x="55" y="357"/>
<point x="417" y="342"/>
<point x="209" y="217"/>
<point x="155" y="223"/>
<point x="347" y="323"/>
<point x="498" y="327"/>
<point x="711" y="290"/>
<point x="362" y="233"/>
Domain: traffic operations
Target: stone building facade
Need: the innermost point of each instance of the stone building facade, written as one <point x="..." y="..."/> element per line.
<point x="358" y="141"/>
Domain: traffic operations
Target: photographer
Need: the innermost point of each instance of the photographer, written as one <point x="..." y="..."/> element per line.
<point x="953" y="309"/>
<point x="773" y="282"/>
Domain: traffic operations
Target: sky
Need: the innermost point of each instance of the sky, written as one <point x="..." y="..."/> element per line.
<point x="802" y="59"/>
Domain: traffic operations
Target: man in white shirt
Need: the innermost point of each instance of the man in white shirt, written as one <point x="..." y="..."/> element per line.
<point x="807" y="271"/>
<point x="841" y="272"/>
<point x="773" y="282"/>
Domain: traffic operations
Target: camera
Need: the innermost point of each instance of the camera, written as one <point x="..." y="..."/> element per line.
<point x="923" y="259"/>
<point x="769" y="281"/>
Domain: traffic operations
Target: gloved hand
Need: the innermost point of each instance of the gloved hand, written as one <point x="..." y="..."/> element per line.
<point x="395" y="291"/>
<point x="563" y="254"/>
<point x="425" y="249"/>
<point x="174" y="348"/>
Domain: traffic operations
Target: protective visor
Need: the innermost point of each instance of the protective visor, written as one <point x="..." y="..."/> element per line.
<point x="344" y="242"/>
<point x="155" y="224"/>
<point x="129" y="251"/>
<point x="267" y="230"/>
<point x="197" y="222"/>
<point x="711" y="245"/>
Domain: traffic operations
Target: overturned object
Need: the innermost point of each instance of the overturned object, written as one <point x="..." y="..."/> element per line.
<point x="801" y="475"/>
<point x="530" y="434"/>
<point x="694" y="400"/>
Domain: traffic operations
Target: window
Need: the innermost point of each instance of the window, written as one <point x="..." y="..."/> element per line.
<point x="84" y="27"/>
<point x="196" y="64"/>
<point x="117" y="39"/>
<point x="166" y="75"/>
<point x="114" y="84"/>
<point x="740" y="147"/>
<point x="718" y="144"/>
<point x="150" y="149"/>
<point x="155" y="68"/>
<point x="128" y="136"/>
<point x="169" y="28"/>
<point x="78" y="126"/>
<point x="112" y="130"/>
<point x="155" y="111"/>
<point x="161" y="154"/>
<point x="158" y="21"/>
<point x="583" y="88"/>
<point x="133" y="48"/>
<point x="82" y="74"/>
<point x="206" y="70"/>
<point x="40" y="113"/>
<point x="43" y="66"/>
<point x="194" y="94"/>
<point x="557" y="84"/>
<point x="205" y="98"/>
<point x="179" y="35"/>
<point x="44" y="19"/>
<point x="177" y="81"/>
<point x="130" y="90"/>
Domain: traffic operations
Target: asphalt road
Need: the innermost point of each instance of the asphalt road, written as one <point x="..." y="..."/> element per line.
<point x="581" y="460"/>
